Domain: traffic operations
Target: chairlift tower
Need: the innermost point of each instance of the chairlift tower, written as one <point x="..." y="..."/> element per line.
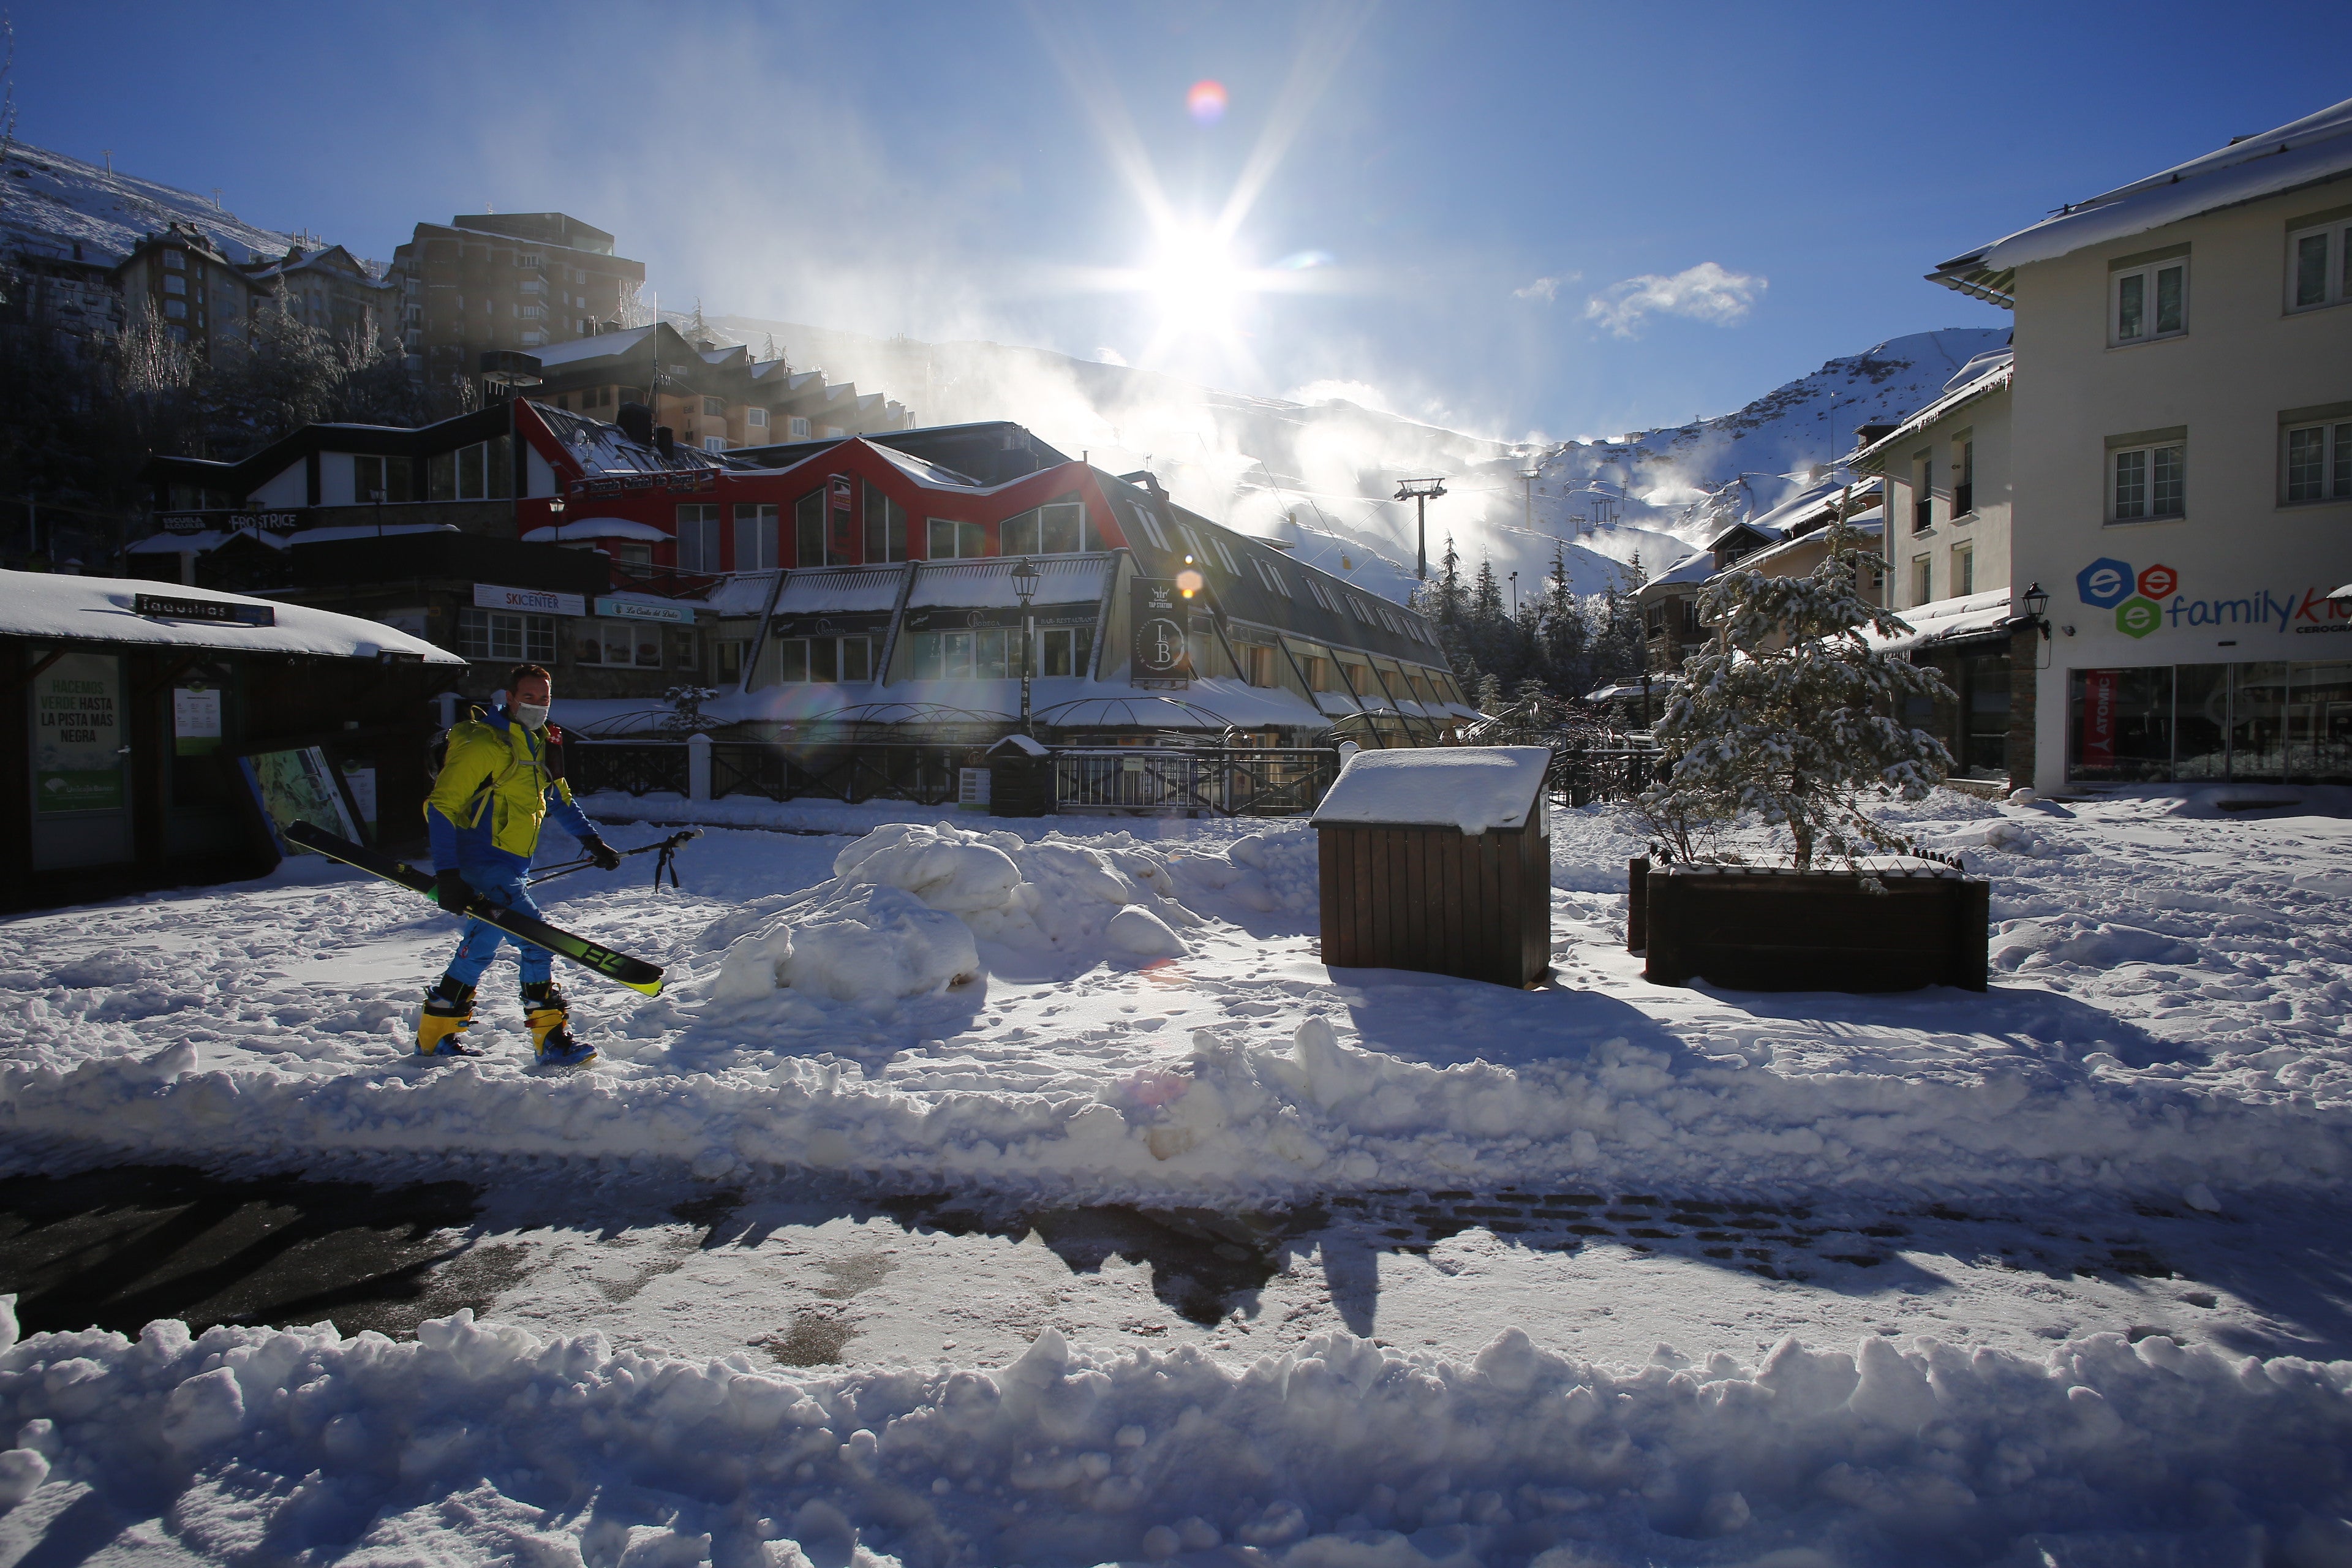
<point x="1420" y="493"/>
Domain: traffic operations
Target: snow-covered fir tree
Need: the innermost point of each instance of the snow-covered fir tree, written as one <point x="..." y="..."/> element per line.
<point x="1790" y="713"/>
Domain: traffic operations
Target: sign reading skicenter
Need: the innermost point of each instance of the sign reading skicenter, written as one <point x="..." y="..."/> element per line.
<point x="2151" y="600"/>
<point x="535" y="601"/>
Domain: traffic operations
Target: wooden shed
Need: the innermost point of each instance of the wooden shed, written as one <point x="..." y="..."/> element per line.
<point x="142" y="725"/>
<point x="1440" y="860"/>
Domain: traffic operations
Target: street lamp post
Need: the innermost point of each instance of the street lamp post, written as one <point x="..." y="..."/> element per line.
<point x="1025" y="584"/>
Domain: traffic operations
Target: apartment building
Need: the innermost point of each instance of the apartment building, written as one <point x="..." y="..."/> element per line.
<point x="712" y="397"/>
<point x="1948" y="475"/>
<point x="1788" y="541"/>
<point x="334" y="291"/>
<point x="203" y="299"/>
<point x="2180" y="458"/>
<point x="491" y="282"/>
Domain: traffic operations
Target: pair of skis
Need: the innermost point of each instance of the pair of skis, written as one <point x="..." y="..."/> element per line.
<point x="618" y="967"/>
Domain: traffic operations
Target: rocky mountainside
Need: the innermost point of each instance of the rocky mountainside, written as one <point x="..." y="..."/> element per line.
<point x="54" y="205"/>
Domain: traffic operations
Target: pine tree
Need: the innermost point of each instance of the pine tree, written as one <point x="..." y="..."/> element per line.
<point x="1787" y="713"/>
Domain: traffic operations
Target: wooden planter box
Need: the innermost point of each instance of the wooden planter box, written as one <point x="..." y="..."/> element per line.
<point x="1761" y="930"/>
<point x="1437" y="900"/>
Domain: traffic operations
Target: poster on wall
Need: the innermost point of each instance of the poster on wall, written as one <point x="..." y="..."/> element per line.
<point x="1157" y="653"/>
<point x="298" y="785"/>
<point x="196" y="720"/>
<point x="2099" y="690"/>
<point x="78" y="735"/>
<point x="841" y="539"/>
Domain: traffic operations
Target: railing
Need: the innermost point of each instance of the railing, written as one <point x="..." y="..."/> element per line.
<point x="868" y="771"/>
<point x="630" y="767"/>
<point x="1587" y="774"/>
<point x="1240" y="780"/>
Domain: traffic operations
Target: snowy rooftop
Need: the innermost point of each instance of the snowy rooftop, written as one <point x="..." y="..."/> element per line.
<point x="1478" y="789"/>
<point x="602" y="346"/>
<point x="1948" y="621"/>
<point x="594" y="528"/>
<point x="98" y="609"/>
<point x="1980" y="377"/>
<point x="817" y="590"/>
<point x="1062" y="580"/>
<point x="2311" y="151"/>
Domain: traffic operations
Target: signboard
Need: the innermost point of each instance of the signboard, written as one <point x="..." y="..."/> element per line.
<point x="530" y="601"/>
<point x="2099" y="693"/>
<point x="294" y="786"/>
<point x="841" y="539"/>
<point x="959" y="617"/>
<point x="2154" y="598"/>
<point x="196" y="720"/>
<point x="230" y="520"/>
<point x="78" y="735"/>
<point x="628" y="610"/>
<point x="1157" y="653"/>
<point x="216" y="612"/>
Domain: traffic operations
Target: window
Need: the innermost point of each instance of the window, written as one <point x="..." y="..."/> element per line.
<point x="176" y="309"/>
<point x="498" y="635"/>
<point x="799" y="429"/>
<point x="175" y="261"/>
<point x="1321" y="596"/>
<point x="730" y="660"/>
<point x="1257" y="664"/>
<point x="1923" y="580"/>
<point x="826" y="658"/>
<point x="697" y="539"/>
<point x="2320" y="260"/>
<point x="714" y="408"/>
<point x="1271" y="576"/>
<point x="1923" y="492"/>
<point x="1151" y="527"/>
<point x="1193" y="550"/>
<point x="2319" y="462"/>
<point x="380" y="479"/>
<point x="619" y="645"/>
<point x="1065" y="650"/>
<point x="886" y="526"/>
<point x="2149" y="302"/>
<point x="2147" y="482"/>
<point x="531" y="312"/>
<point x="1057" y="528"/>
<point x="1964" y="571"/>
<point x="834" y="432"/>
<point x="484" y="471"/>
<point x="1964" y="476"/>
<point x="756" y="418"/>
<point x="1226" y="555"/>
<point x="984" y="653"/>
<point x="174" y="285"/>
<point x="814" y="544"/>
<point x="951" y="540"/>
<point x="714" y="443"/>
<point x="757" y="536"/>
<point x="527" y="259"/>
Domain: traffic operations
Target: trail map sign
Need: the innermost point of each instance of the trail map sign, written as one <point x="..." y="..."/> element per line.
<point x="1158" y="654"/>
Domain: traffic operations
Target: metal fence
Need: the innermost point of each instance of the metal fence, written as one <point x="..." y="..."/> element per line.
<point x="629" y="767"/>
<point x="868" y="770"/>
<point x="1582" y="774"/>
<point x="1240" y="780"/>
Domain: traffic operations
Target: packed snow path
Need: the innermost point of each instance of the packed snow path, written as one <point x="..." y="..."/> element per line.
<point x="1083" y="1014"/>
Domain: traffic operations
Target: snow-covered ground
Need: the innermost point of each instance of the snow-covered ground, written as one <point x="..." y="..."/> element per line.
<point x="1514" y="1276"/>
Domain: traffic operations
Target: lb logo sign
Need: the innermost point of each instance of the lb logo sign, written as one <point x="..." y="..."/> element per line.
<point x="2135" y="598"/>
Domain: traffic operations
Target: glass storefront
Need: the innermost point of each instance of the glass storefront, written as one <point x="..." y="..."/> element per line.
<point x="2211" y="723"/>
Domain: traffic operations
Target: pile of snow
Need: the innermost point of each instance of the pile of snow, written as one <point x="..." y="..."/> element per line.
<point x="1476" y="789"/>
<point x="480" y="1442"/>
<point x="909" y="904"/>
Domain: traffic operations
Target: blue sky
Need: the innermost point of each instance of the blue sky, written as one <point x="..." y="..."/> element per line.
<point x="1554" y="220"/>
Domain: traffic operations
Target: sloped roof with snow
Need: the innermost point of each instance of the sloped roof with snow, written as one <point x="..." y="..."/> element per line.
<point x="1476" y="789"/>
<point x="595" y="528"/>
<point x="98" y="609"/>
<point x="1986" y="374"/>
<point x="1947" y="621"/>
<point x="2311" y="151"/>
<point x="603" y="345"/>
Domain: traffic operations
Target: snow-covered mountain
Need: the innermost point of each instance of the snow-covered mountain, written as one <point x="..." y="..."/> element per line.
<point x="49" y="204"/>
<point x="1331" y="467"/>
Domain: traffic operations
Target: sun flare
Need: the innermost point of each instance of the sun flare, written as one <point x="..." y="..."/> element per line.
<point x="1196" y="283"/>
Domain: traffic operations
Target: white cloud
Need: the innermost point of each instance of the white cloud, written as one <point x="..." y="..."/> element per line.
<point x="1109" y="355"/>
<point x="1546" y="288"/>
<point x="1705" y="293"/>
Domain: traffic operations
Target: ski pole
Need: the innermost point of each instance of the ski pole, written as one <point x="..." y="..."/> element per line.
<point x="669" y="861"/>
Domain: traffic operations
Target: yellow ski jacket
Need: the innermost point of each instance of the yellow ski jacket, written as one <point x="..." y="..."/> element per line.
<point x="494" y="792"/>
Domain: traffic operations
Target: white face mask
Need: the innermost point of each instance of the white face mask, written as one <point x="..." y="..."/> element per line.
<point x="532" y="715"/>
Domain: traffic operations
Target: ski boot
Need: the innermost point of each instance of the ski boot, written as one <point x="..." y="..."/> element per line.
<point x="448" y="1008"/>
<point x="549" y="1013"/>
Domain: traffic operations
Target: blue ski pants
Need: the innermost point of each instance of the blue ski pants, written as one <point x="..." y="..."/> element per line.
<point x="479" y="944"/>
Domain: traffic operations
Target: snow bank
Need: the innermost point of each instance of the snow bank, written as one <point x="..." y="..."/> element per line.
<point x="480" y="1442"/>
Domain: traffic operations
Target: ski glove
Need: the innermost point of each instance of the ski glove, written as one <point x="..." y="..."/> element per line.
<point x="452" y="892"/>
<point x="608" y="858"/>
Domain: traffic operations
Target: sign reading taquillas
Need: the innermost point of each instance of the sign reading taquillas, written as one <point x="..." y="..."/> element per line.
<point x="2151" y="600"/>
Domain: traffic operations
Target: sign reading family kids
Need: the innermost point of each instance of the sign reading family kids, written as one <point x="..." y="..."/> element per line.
<point x="2151" y="600"/>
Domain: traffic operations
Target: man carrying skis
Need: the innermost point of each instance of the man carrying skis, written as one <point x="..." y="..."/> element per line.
<point x="502" y="778"/>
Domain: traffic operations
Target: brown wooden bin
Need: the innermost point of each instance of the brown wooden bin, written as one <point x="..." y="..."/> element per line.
<point x="1763" y="930"/>
<point x="1430" y="894"/>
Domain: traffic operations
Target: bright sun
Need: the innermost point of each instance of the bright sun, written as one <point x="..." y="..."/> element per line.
<point x="1196" y="282"/>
